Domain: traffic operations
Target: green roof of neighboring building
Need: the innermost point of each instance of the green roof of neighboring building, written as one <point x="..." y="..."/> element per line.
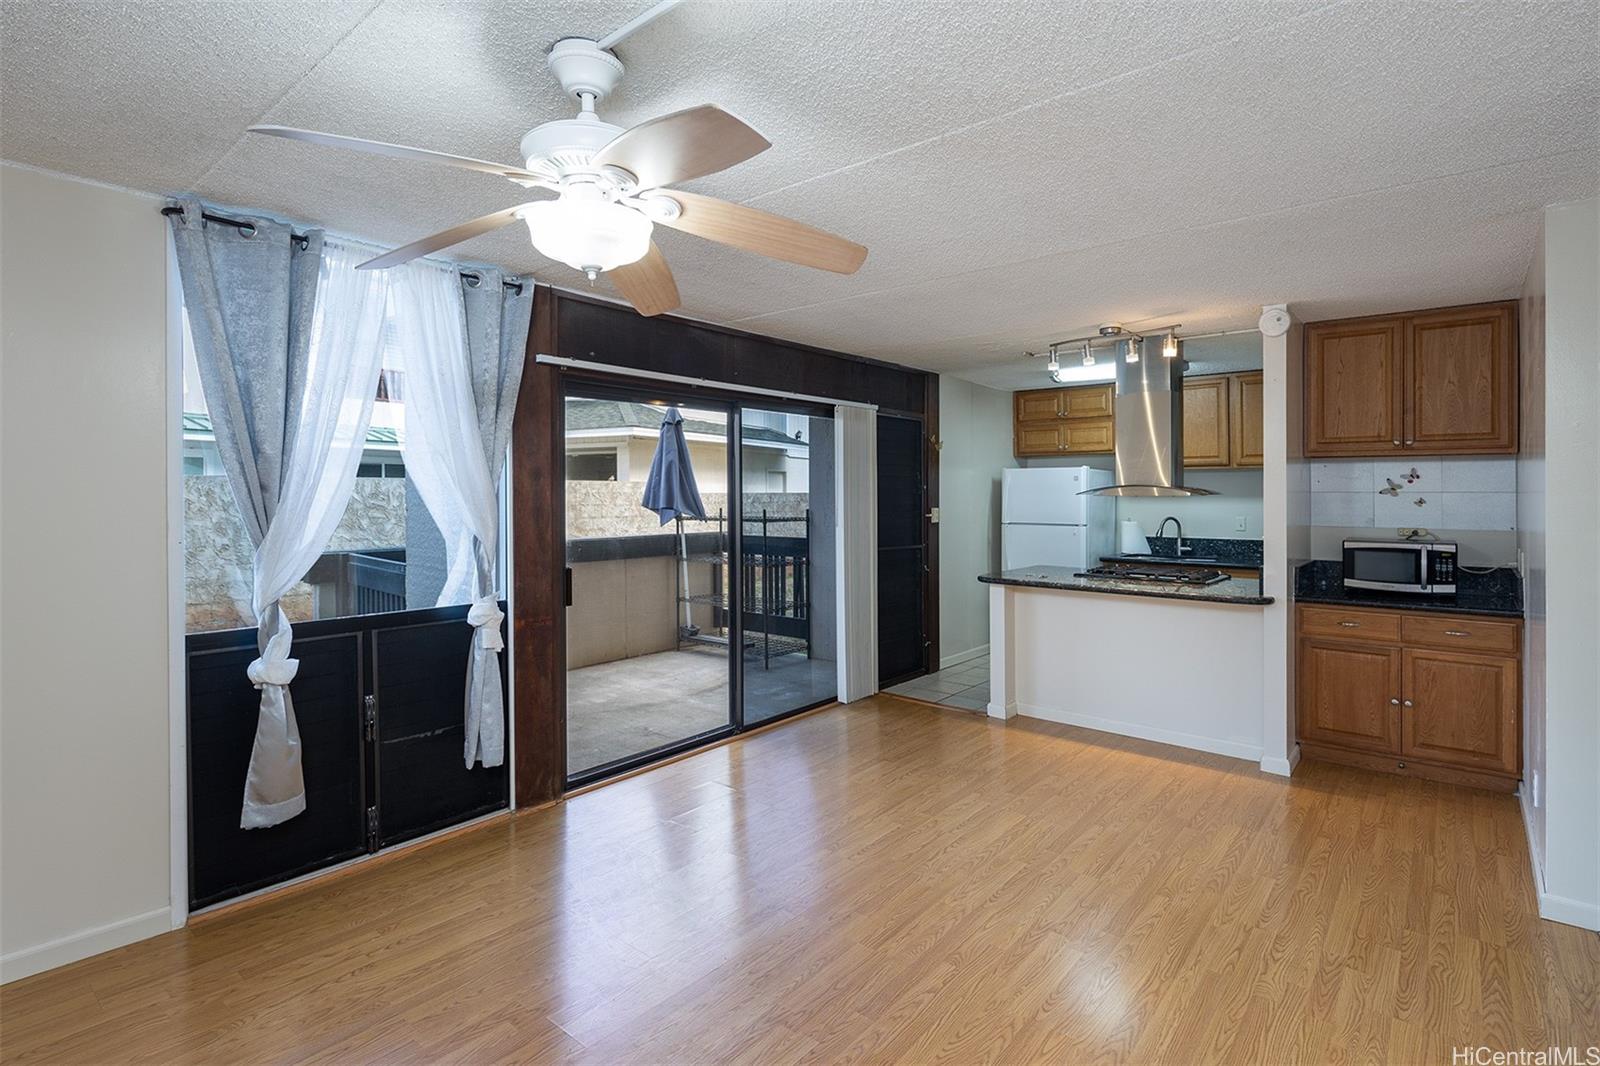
<point x="620" y="414"/>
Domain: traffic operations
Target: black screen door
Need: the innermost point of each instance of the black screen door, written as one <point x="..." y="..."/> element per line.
<point x="902" y="549"/>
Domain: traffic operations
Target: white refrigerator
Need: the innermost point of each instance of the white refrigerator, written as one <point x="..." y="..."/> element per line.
<point x="1044" y="522"/>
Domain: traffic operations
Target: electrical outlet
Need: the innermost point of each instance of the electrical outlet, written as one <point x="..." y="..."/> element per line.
<point x="1240" y="524"/>
<point x="1522" y="565"/>
<point x="1407" y="532"/>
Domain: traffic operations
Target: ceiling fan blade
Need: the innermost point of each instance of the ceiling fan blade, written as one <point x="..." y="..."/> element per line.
<point x="647" y="284"/>
<point x="757" y="231"/>
<point x="400" y="151"/>
<point x="683" y="145"/>
<point x="443" y="239"/>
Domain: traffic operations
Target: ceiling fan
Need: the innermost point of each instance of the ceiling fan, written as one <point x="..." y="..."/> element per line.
<point x="611" y="187"/>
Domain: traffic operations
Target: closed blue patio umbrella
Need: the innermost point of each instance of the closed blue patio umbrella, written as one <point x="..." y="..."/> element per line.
<point x="670" y="491"/>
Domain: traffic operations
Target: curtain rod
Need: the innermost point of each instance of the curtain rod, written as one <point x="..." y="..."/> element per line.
<point x="683" y="379"/>
<point x="300" y="239"/>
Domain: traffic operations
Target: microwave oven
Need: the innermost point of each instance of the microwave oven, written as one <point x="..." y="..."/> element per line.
<point x="1421" y="567"/>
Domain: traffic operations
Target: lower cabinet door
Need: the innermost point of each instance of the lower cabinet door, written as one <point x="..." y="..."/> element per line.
<point x="1461" y="708"/>
<point x="1349" y="694"/>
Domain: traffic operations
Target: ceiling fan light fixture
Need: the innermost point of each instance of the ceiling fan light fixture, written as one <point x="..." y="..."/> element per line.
<point x="588" y="233"/>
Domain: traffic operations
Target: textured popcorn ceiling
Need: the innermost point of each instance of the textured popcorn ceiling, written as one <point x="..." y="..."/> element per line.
<point x="1019" y="170"/>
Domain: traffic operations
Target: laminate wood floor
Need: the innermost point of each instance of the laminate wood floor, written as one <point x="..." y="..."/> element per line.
<point x="890" y="882"/>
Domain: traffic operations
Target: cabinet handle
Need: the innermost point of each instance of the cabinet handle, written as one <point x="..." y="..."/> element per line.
<point x="1410" y="442"/>
<point x="1396" y="442"/>
<point x="1394" y="702"/>
<point x="1351" y="625"/>
<point x="1405" y="703"/>
<point x="1457" y="633"/>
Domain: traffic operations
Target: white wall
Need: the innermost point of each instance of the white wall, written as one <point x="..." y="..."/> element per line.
<point x="1558" y="490"/>
<point x="975" y="439"/>
<point x="84" y="801"/>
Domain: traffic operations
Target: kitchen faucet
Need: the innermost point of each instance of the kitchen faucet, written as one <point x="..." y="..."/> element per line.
<point x="1162" y="528"/>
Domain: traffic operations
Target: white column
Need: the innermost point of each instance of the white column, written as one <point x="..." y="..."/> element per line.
<point x="1278" y="749"/>
<point x="1002" y="653"/>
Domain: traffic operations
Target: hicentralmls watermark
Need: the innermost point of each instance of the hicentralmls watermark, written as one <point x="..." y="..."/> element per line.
<point x="1544" y="1056"/>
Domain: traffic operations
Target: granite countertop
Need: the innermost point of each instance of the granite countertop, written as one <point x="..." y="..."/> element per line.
<point x="1497" y="593"/>
<point x="1233" y="590"/>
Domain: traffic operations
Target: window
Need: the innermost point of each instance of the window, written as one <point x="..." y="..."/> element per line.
<point x="385" y="555"/>
<point x="594" y="466"/>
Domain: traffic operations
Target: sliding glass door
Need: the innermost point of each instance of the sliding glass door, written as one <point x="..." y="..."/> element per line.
<point x="649" y="625"/>
<point x="700" y="556"/>
<point x="787" y="576"/>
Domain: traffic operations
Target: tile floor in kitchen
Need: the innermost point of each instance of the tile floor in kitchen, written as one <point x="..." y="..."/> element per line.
<point x="964" y="685"/>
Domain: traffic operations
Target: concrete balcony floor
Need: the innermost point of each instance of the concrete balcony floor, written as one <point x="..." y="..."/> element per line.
<point x="627" y="706"/>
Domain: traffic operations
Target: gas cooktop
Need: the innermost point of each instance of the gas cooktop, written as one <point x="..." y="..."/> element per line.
<point x="1171" y="575"/>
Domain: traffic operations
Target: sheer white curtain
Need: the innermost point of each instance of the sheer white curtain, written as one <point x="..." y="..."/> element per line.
<point x="855" y="440"/>
<point x="448" y="463"/>
<point x="336" y="392"/>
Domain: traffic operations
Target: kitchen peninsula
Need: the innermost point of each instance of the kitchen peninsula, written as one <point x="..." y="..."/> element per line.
<point x="1178" y="664"/>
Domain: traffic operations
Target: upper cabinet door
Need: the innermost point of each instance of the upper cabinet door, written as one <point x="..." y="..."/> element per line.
<point x="1087" y="401"/>
<point x="1039" y="405"/>
<point x="1205" y="422"/>
<point x="1355" y="387"/>
<point x="1246" y="421"/>
<point x="1461" y="381"/>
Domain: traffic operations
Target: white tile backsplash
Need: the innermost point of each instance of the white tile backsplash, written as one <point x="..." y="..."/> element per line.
<point x="1342" y="508"/>
<point x="1468" y="493"/>
<point x="1480" y="473"/>
<point x="1341" y="475"/>
<point x="1424" y="475"/>
<point x="1479" y="510"/>
<point x="1413" y="507"/>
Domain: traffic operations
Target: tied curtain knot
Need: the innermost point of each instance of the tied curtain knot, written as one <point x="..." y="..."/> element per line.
<point x="485" y="615"/>
<point x="265" y="671"/>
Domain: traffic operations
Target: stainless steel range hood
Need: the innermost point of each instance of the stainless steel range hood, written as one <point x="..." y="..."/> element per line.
<point x="1149" y="410"/>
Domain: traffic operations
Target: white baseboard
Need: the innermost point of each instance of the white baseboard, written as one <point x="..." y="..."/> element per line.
<point x="996" y="710"/>
<point x="1282" y="767"/>
<point x="1553" y="908"/>
<point x="947" y="661"/>
<point x="81" y="945"/>
<point x="1235" y="749"/>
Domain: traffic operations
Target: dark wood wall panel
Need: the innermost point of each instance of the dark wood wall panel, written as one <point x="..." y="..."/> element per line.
<point x="538" y="552"/>
<point x="606" y="333"/>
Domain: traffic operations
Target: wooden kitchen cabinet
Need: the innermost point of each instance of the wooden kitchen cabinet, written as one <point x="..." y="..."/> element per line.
<point x="1246" y="421"/>
<point x="1206" y="437"/>
<point x="1455" y="709"/>
<point x="1461" y="381"/>
<point x="1222" y="421"/>
<point x="1067" y="421"/>
<point x="1355" y="397"/>
<point x="1425" y="693"/>
<point x="1346" y="692"/>
<point x="1438" y="382"/>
